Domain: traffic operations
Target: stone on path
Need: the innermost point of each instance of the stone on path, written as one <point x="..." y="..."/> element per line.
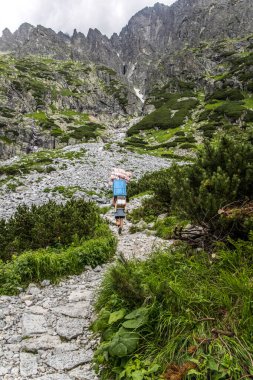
<point x="74" y="310"/>
<point x="44" y="342"/>
<point x="80" y="295"/>
<point x="28" y="364"/>
<point x="33" y="324"/>
<point x="80" y="373"/>
<point x="69" y="360"/>
<point x="70" y="328"/>
<point x="54" y="377"/>
<point x="3" y="371"/>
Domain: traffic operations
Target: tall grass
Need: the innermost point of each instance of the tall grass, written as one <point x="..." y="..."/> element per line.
<point x="198" y="309"/>
<point x="53" y="264"/>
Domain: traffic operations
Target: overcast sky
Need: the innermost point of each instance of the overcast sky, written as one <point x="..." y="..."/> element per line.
<point x="108" y="16"/>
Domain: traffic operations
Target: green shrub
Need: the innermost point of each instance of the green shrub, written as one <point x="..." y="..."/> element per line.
<point x="226" y="94"/>
<point x="180" y="133"/>
<point x="249" y="116"/>
<point x="135" y="141"/>
<point x="164" y="117"/>
<point x="204" y="116"/>
<point x="48" y="124"/>
<point x="178" y="307"/>
<point x="250" y="86"/>
<point x="222" y="174"/>
<point x="56" y="132"/>
<point x="186" y="139"/>
<point x="157" y="182"/>
<point x="233" y="110"/>
<point x="47" y="225"/>
<point x="87" y="131"/>
<point x="147" y="213"/>
<point x="173" y="90"/>
<point x="187" y="146"/>
<point x="7" y="112"/>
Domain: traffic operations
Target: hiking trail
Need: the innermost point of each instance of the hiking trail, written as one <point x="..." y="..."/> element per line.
<point x="44" y="331"/>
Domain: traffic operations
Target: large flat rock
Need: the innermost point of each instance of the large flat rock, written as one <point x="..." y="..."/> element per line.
<point x="73" y="309"/>
<point x="33" y="324"/>
<point x="44" y="342"/>
<point x="70" y="328"/>
<point x="28" y="364"/>
<point x="69" y="360"/>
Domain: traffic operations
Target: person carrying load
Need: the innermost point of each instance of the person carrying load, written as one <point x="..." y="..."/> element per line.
<point x="119" y="180"/>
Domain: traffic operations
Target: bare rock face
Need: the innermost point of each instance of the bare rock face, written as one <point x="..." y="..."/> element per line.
<point x="156" y="31"/>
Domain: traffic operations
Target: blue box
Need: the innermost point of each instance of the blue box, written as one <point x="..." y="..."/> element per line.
<point x="119" y="188"/>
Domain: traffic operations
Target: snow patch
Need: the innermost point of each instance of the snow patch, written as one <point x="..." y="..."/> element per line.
<point x="138" y="93"/>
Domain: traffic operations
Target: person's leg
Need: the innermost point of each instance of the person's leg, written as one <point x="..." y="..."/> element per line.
<point x="120" y="225"/>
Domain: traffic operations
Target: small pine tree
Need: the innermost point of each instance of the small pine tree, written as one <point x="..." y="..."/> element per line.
<point x="222" y="174"/>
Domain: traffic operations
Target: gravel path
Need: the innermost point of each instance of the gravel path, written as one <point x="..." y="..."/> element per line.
<point x="89" y="174"/>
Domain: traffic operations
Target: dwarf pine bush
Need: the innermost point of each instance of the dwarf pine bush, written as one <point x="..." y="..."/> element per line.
<point x="221" y="175"/>
<point x="50" y="242"/>
<point x="48" y="225"/>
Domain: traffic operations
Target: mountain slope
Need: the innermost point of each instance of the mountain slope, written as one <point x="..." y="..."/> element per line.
<point x="160" y="49"/>
<point x="199" y="91"/>
<point x="50" y="103"/>
<point x="149" y="34"/>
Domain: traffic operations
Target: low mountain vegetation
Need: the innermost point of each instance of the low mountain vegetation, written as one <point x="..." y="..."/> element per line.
<point x="189" y="111"/>
<point x="51" y="241"/>
<point x="186" y="313"/>
<point x="51" y="103"/>
<point x="178" y="315"/>
<point x="44" y="161"/>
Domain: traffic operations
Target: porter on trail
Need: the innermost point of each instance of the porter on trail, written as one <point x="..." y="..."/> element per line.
<point x="119" y="178"/>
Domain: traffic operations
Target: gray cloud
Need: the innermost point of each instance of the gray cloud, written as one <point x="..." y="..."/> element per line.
<point x="65" y="15"/>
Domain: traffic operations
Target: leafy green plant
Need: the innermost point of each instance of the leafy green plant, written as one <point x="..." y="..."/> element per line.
<point x="120" y="335"/>
<point x="175" y="304"/>
<point x="138" y="369"/>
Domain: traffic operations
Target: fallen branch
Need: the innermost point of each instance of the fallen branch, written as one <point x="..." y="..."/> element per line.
<point x="217" y="332"/>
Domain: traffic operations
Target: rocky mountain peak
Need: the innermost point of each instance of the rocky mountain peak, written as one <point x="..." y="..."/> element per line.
<point x="64" y="37"/>
<point x="7" y="33"/>
<point x="7" y="41"/>
<point x="95" y="37"/>
<point x="23" y="32"/>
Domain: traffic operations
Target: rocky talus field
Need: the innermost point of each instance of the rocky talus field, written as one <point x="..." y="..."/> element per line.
<point x="44" y="331"/>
